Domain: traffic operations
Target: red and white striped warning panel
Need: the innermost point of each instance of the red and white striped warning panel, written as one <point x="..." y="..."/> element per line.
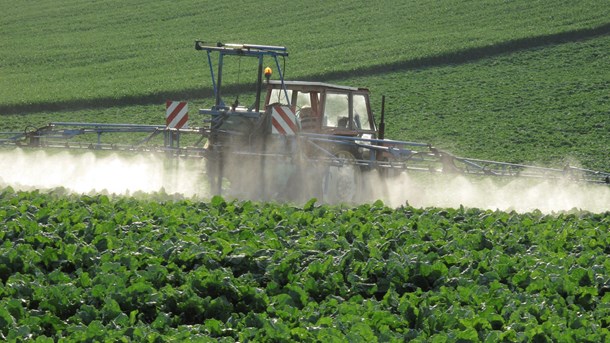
<point x="176" y="114"/>
<point x="283" y="120"/>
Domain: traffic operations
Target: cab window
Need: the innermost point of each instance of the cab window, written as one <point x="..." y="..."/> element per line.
<point x="279" y="96"/>
<point x="303" y="100"/>
<point x="336" y="110"/>
<point x="361" y="118"/>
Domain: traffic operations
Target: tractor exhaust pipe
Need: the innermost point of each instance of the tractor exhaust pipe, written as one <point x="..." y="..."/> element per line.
<point x="382" y="122"/>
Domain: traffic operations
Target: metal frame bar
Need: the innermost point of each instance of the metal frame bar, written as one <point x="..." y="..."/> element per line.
<point x="247" y="50"/>
<point x="426" y="160"/>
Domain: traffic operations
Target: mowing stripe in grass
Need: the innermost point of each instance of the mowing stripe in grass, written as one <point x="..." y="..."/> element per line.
<point x="455" y="57"/>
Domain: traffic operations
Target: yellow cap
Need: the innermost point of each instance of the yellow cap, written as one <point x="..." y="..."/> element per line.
<point x="268" y="72"/>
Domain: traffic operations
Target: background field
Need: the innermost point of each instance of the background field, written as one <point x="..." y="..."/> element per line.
<point x="521" y="81"/>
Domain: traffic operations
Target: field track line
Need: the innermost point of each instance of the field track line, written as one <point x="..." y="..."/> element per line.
<point x="453" y="58"/>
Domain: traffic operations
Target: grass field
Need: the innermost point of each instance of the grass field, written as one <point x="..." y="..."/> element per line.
<point x="85" y="53"/>
<point x="532" y="71"/>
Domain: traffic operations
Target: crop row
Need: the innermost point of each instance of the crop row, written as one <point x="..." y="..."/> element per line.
<point x="98" y="268"/>
<point x="121" y="51"/>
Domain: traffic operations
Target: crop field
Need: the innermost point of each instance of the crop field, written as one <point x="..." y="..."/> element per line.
<point x="92" y="268"/>
<point x="516" y="81"/>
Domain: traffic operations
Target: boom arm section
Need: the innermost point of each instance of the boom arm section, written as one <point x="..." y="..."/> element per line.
<point x="384" y="154"/>
<point x="105" y="136"/>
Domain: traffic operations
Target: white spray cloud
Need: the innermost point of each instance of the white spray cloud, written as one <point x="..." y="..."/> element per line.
<point x="90" y="172"/>
<point x="521" y="195"/>
<point x="126" y="174"/>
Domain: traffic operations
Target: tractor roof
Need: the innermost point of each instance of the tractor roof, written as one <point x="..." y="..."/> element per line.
<point x="309" y="85"/>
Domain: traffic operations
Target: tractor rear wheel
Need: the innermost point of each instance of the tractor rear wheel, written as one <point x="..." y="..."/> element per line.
<point x="342" y="183"/>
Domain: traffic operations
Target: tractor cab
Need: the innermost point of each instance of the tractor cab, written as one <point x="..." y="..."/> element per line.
<point x="289" y="106"/>
<point x="325" y="108"/>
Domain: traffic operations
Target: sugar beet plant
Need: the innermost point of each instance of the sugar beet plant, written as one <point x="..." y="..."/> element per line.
<point x="99" y="268"/>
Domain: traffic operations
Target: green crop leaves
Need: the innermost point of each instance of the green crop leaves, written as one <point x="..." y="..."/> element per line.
<point x="243" y="271"/>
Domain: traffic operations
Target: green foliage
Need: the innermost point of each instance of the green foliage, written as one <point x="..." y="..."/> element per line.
<point x="120" y="50"/>
<point x="243" y="271"/>
<point x="546" y="105"/>
<point x="518" y="81"/>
